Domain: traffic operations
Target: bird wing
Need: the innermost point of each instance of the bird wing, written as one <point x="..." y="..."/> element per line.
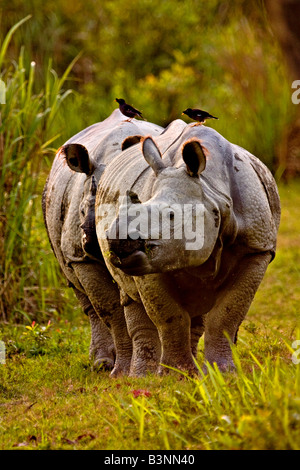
<point x="132" y="109"/>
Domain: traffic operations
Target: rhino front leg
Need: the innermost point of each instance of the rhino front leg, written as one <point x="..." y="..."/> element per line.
<point x="102" y="348"/>
<point x="104" y="296"/>
<point x="173" y="324"/>
<point x="230" y="309"/>
<point x="145" y="340"/>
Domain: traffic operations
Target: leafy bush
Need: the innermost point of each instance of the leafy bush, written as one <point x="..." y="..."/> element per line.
<point x="28" y="129"/>
<point x="163" y="57"/>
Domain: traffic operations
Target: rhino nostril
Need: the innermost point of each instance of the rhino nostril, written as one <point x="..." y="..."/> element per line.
<point x="113" y="258"/>
<point x="106" y="233"/>
<point x="134" y="235"/>
<point x="125" y="247"/>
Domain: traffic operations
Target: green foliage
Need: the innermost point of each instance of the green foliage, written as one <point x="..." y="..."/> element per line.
<point x="28" y="129"/>
<point x="37" y="336"/>
<point x="52" y="400"/>
<point x="164" y="57"/>
<point x="57" y="338"/>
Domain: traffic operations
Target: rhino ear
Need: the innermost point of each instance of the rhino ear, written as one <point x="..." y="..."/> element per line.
<point x="152" y="155"/>
<point x="194" y="157"/>
<point x="131" y="140"/>
<point x="78" y="158"/>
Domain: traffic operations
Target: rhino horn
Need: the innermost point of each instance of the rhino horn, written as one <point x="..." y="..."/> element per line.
<point x="194" y="157"/>
<point x="78" y="159"/>
<point x="152" y="155"/>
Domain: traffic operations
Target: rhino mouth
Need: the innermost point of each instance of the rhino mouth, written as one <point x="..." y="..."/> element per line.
<point x="91" y="246"/>
<point x="134" y="263"/>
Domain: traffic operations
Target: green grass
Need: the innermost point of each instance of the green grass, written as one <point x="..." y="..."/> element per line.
<point x="50" y="398"/>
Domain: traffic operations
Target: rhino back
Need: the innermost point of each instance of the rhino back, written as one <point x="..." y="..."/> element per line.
<point x="240" y="176"/>
<point x="269" y="185"/>
<point x="255" y="200"/>
<point x="61" y="184"/>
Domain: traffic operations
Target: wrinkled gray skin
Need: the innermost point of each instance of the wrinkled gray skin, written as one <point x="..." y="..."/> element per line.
<point x="68" y="206"/>
<point x="186" y="293"/>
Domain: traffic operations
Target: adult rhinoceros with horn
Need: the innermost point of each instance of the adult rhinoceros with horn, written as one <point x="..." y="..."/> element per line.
<point x="68" y="207"/>
<point x="192" y="228"/>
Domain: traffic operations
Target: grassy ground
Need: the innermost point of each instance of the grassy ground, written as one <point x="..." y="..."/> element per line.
<point x="50" y="399"/>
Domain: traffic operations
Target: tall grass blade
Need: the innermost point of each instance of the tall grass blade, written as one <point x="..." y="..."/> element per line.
<point x="9" y="36"/>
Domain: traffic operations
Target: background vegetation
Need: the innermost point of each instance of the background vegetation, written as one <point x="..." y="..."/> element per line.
<point x="63" y="64"/>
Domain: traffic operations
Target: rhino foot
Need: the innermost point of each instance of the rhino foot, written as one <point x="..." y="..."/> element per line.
<point x="187" y="367"/>
<point x="121" y="368"/>
<point x="140" y="366"/>
<point x="103" y="364"/>
<point x="223" y="366"/>
<point x="102" y="358"/>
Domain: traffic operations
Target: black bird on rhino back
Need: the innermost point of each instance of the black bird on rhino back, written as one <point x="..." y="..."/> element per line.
<point x="198" y="115"/>
<point x="127" y="110"/>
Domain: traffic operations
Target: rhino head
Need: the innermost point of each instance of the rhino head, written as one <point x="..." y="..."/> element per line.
<point x="89" y="239"/>
<point x="79" y="160"/>
<point x="178" y="226"/>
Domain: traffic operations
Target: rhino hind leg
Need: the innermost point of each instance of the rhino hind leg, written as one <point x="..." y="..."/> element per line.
<point x="102" y="348"/>
<point x="104" y="297"/>
<point x="230" y="309"/>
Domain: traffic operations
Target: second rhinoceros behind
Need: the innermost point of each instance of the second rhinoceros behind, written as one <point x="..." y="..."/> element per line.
<point x="194" y="228"/>
<point x="68" y="207"/>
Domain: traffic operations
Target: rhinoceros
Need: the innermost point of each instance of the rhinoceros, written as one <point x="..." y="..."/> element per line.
<point x="192" y="229"/>
<point x="68" y="206"/>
